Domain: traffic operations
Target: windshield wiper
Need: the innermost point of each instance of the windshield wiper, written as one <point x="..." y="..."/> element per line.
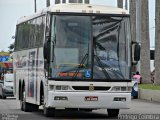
<point x="102" y="65"/>
<point x="80" y="65"/>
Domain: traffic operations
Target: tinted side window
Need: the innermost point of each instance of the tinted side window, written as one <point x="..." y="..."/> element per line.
<point x="39" y="31"/>
<point x="57" y="1"/>
<point x="87" y="1"/>
<point x="25" y="34"/>
<point x="21" y="38"/>
<point x="30" y="34"/>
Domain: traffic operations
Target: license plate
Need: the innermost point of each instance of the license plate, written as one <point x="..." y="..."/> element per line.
<point x="91" y="98"/>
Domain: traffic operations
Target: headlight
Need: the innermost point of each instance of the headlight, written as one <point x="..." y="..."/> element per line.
<point x="62" y="87"/>
<point x="51" y="87"/>
<point x="122" y="88"/>
<point x="59" y="87"/>
<point x="116" y="89"/>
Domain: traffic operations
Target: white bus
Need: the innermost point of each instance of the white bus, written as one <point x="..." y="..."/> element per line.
<point x="74" y="56"/>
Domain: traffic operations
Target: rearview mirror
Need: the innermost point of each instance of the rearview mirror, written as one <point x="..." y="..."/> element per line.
<point x="137" y="52"/>
<point x="46" y="50"/>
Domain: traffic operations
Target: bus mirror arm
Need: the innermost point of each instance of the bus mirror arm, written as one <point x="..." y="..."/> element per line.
<point x="46" y="50"/>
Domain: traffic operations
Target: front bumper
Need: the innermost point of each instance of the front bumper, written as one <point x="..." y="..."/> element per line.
<point x="77" y="100"/>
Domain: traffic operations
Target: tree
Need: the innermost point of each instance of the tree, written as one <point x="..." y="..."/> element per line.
<point x="120" y="3"/>
<point x="133" y="25"/>
<point x="2" y="51"/>
<point x="133" y="19"/>
<point x="47" y="3"/>
<point x="11" y="48"/>
<point x="157" y="43"/>
<point x="145" y="43"/>
<point x="35" y="6"/>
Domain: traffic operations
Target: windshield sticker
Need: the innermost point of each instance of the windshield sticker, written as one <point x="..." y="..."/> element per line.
<point x="109" y="69"/>
<point x="87" y="74"/>
<point x="66" y="55"/>
<point x="69" y="74"/>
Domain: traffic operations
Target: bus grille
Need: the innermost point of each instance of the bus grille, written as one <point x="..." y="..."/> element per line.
<point x="97" y="88"/>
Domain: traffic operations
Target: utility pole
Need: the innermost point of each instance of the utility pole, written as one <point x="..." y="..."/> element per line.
<point x="145" y="43"/>
<point x="138" y="29"/>
<point x="157" y="43"/>
<point x="138" y="19"/>
<point x="35" y="6"/>
<point x="133" y="17"/>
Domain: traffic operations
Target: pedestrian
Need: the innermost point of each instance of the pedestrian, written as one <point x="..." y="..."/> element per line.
<point x="138" y="77"/>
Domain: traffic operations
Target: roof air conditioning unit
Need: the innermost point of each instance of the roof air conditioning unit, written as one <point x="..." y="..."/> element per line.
<point x="72" y="1"/>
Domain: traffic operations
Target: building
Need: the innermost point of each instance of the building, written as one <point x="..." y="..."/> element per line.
<point x="6" y="64"/>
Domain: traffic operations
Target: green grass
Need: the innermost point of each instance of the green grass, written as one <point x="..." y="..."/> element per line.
<point x="149" y="86"/>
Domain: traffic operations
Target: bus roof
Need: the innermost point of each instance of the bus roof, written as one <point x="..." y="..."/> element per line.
<point x="77" y="8"/>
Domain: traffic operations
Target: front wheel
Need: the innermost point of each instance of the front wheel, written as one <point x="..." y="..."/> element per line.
<point x="113" y="112"/>
<point x="3" y="95"/>
<point x="86" y="110"/>
<point x="49" y="112"/>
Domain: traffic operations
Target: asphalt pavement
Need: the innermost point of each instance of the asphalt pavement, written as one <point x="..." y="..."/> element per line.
<point x="10" y="110"/>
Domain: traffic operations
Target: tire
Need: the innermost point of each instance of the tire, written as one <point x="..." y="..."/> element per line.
<point x="113" y="112"/>
<point x="42" y="99"/>
<point x="3" y="95"/>
<point x="35" y="107"/>
<point x="87" y="110"/>
<point x="49" y="112"/>
<point x="26" y="107"/>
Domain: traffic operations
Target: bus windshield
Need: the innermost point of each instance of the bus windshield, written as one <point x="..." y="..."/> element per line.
<point x="90" y="47"/>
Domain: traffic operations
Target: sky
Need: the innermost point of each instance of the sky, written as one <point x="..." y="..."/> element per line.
<point x="12" y="10"/>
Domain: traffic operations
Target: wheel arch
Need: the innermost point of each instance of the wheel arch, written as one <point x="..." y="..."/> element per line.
<point x="41" y="92"/>
<point x="21" y="87"/>
<point x="19" y="92"/>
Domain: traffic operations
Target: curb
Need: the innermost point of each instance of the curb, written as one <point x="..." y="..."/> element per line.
<point x="151" y="95"/>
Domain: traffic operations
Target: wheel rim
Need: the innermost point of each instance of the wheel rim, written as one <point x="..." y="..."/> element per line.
<point x="3" y="96"/>
<point x="23" y="96"/>
<point x="23" y="100"/>
<point x="42" y="100"/>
